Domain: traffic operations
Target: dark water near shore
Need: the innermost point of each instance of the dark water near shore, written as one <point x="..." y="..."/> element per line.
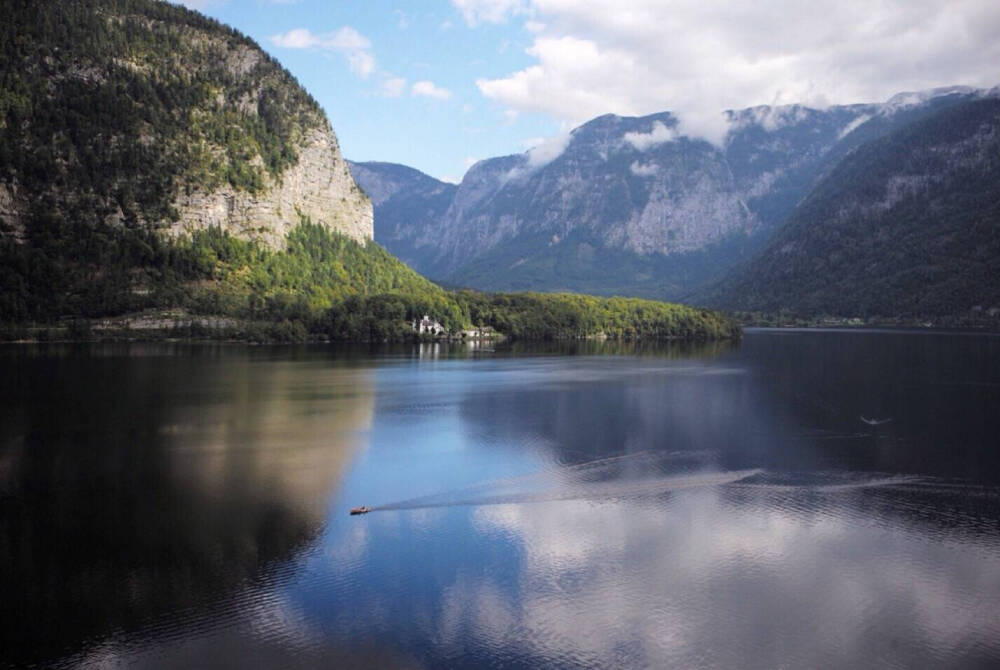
<point x="581" y="505"/>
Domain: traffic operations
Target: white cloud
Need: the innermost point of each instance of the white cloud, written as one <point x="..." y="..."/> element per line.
<point x="850" y="127"/>
<point x="362" y="63"/>
<point x="393" y="87"/>
<point x="696" y="58"/>
<point x="476" y="12"/>
<point x="643" y="169"/>
<point x="428" y="89"/>
<point x="347" y="41"/>
<point x="541" y="151"/>
<point x="658" y="135"/>
<point x="344" y="39"/>
<point x="469" y="161"/>
<point x="708" y="124"/>
<point x="547" y="150"/>
<point x="772" y="118"/>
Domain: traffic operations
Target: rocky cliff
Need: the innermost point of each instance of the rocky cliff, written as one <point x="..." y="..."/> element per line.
<point x="619" y="184"/>
<point x="143" y="114"/>
<point x="632" y="206"/>
<point x="318" y="186"/>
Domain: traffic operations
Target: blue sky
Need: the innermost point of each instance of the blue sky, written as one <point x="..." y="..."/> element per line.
<point x="374" y="108"/>
<point x="438" y="84"/>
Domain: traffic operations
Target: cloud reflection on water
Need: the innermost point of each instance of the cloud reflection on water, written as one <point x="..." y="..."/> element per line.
<point x="779" y="573"/>
<point x="708" y="580"/>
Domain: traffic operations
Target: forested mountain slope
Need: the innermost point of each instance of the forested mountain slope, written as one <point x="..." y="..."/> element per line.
<point x="906" y="225"/>
<point x="140" y="113"/>
<point x="410" y="205"/>
<point x="630" y="206"/>
<point x="127" y="123"/>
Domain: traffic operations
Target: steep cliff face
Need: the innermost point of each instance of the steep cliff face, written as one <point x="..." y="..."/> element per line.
<point x="625" y="184"/>
<point x="630" y="205"/>
<point x="777" y="154"/>
<point x="905" y="225"/>
<point x="318" y="186"/>
<point x="140" y="114"/>
<point x="12" y="208"/>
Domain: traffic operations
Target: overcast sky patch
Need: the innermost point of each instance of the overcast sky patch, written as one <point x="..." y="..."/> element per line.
<point x="636" y="57"/>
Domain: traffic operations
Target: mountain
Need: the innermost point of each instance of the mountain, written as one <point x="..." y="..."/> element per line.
<point x="129" y="131"/>
<point x="142" y="114"/>
<point x="161" y="175"/>
<point x="409" y="203"/>
<point x="906" y="225"/>
<point x="632" y="206"/>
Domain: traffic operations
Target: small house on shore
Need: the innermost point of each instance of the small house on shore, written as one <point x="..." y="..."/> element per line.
<point x="428" y="326"/>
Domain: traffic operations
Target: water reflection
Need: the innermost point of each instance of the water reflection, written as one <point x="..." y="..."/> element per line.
<point x="140" y="481"/>
<point x="800" y="537"/>
<point x="711" y="579"/>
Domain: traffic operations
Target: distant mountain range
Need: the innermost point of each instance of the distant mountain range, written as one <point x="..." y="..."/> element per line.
<point x="631" y="206"/>
<point x="906" y="225"/>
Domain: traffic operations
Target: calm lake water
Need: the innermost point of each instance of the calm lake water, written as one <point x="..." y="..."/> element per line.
<point x="583" y="505"/>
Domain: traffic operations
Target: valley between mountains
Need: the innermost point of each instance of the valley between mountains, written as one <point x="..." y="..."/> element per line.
<point x="885" y="210"/>
<point x="162" y="175"/>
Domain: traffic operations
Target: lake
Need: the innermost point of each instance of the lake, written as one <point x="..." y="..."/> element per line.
<point x="802" y="499"/>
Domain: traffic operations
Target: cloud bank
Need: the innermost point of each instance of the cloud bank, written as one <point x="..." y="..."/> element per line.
<point x="658" y="135"/>
<point x="347" y="41"/>
<point x="547" y="150"/>
<point x="636" y="57"/>
<point x="429" y="89"/>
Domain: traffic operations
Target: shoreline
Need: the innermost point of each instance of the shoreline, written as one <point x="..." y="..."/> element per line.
<point x="877" y="329"/>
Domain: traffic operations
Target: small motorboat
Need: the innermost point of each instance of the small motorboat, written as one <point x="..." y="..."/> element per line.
<point x="360" y="510"/>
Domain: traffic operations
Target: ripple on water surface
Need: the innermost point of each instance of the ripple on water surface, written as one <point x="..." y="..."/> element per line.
<point x="674" y="508"/>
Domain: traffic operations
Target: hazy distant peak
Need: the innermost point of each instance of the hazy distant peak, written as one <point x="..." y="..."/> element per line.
<point x="907" y="98"/>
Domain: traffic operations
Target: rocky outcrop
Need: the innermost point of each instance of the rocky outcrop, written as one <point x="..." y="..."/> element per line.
<point x="12" y="208"/>
<point x="319" y="186"/>
<point x="610" y="184"/>
<point x="184" y="125"/>
<point x="631" y="205"/>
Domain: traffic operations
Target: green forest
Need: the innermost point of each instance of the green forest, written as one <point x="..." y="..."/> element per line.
<point x="109" y="108"/>
<point x="322" y="285"/>
<point x="906" y="226"/>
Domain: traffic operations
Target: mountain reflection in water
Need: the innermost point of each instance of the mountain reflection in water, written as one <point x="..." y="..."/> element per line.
<point x="145" y="480"/>
<point x="691" y="506"/>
